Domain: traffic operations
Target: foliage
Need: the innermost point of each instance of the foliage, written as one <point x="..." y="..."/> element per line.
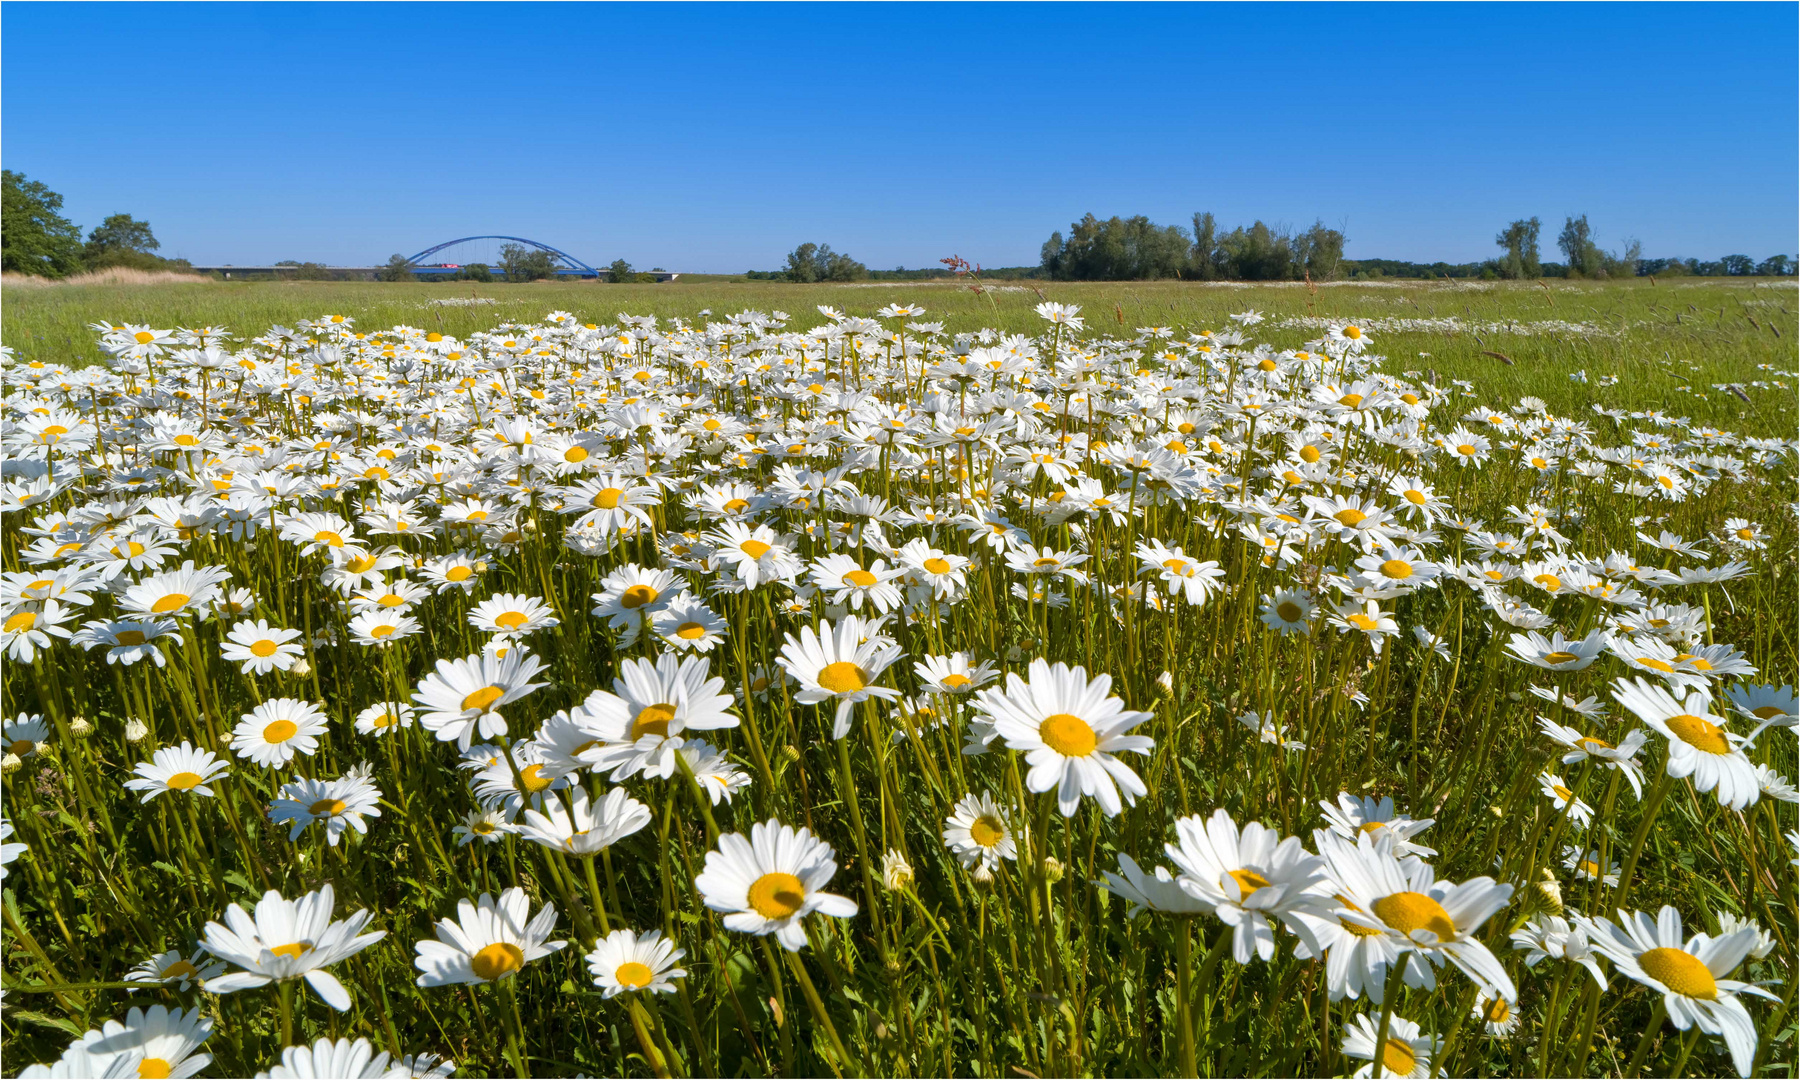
<point x="817" y="262"/>
<point x="1521" y="243"/>
<point x="1136" y="249"/>
<point x="397" y="269"/>
<point x="620" y="272"/>
<point x="34" y="236"/>
<point x="521" y="263"/>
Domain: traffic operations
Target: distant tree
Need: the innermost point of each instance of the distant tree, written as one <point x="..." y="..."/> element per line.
<point x="1202" y="262"/>
<point x="1321" y="252"/>
<point x="34" y="237"/>
<point x="817" y="262"/>
<point x="474" y="272"/>
<point x="286" y="262"/>
<point x="1738" y="265"/>
<point x="1775" y="266"/>
<point x="620" y="272"/>
<point x="120" y="232"/>
<point x="521" y="263"/>
<point x="1627" y="264"/>
<point x="1259" y="253"/>
<point x="397" y="269"/>
<point x="1580" y="253"/>
<point x="311" y="271"/>
<point x="1520" y="239"/>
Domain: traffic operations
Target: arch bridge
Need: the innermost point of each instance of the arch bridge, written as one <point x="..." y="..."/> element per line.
<point x="475" y="250"/>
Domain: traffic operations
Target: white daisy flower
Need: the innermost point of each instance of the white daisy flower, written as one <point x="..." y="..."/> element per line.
<point x="770" y="882"/>
<point x="622" y="962"/>
<point x="177" y="768"/>
<point x="488" y="941"/>
<point x="1069" y="730"/>
<point x="288" y="939"/>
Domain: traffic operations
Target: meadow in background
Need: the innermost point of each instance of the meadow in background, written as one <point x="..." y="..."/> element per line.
<point x="895" y="680"/>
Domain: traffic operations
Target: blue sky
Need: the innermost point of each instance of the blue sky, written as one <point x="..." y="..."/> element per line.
<point x="717" y="137"/>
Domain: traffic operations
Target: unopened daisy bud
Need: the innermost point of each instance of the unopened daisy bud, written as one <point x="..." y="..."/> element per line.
<point x="528" y="525"/>
<point x="792" y="753"/>
<point x="983" y="874"/>
<point x="1496" y="811"/>
<point x="80" y="728"/>
<point x="135" y="730"/>
<point x="1053" y="869"/>
<point x="775" y="1011"/>
<point x="1165" y="684"/>
<point x="1551" y="891"/>
<point x="896" y="872"/>
<point x="301" y="669"/>
<point x="10" y="764"/>
<point x="481" y="567"/>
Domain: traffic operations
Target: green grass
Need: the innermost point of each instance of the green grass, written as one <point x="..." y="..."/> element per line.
<point x="1669" y="342"/>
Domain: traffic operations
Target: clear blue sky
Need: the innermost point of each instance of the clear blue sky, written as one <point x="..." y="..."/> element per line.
<point x="717" y="137"/>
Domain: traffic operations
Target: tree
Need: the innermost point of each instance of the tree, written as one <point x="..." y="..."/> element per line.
<point x="1580" y="253"/>
<point x="620" y="272"/>
<point x="1321" y="251"/>
<point x="474" y="272"/>
<point x="397" y="269"/>
<point x="521" y="263"/>
<point x="817" y="262"/>
<point x="34" y="237"/>
<point x="1775" y="266"/>
<point x="120" y="232"/>
<point x="1738" y="265"/>
<point x="1521" y="243"/>
<point x="1206" y="244"/>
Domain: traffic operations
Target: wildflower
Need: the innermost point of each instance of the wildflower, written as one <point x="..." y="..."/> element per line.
<point x="770" y="882"/>
<point x="1351" y="817"/>
<point x="638" y="728"/>
<point x="1551" y="937"/>
<point x="1069" y="730"/>
<point x="273" y="732"/>
<point x="1249" y="877"/>
<point x="488" y="941"/>
<point x="623" y="961"/>
<point x="839" y="664"/>
<point x="158" y="1041"/>
<point x="177" y="970"/>
<point x="462" y="696"/>
<point x="328" y="1057"/>
<point x="585" y="827"/>
<point x="1699" y="745"/>
<point x="1560" y="796"/>
<point x="288" y="939"/>
<point x="1407" y="1052"/>
<point x="978" y="834"/>
<point x="177" y="768"/>
<point x="340" y="804"/>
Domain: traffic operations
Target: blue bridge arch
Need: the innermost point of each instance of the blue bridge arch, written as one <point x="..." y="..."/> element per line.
<point x="567" y="265"/>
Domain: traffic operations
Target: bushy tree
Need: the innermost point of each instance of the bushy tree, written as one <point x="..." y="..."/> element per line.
<point x="1206" y="245"/>
<point x="817" y="262"/>
<point x="521" y="263"/>
<point x="1775" y="266"/>
<point x="34" y="236"/>
<point x="1580" y="254"/>
<point x="620" y="272"/>
<point x="1520" y="239"/>
<point x="397" y="269"/>
<point x="474" y="272"/>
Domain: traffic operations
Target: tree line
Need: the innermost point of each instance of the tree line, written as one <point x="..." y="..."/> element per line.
<point x="1137" y="249"/>
<point x="36" y="239"/>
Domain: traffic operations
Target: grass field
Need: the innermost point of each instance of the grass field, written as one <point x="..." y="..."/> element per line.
<point x="861" y="698"/>
<point x="1670" y="342"/>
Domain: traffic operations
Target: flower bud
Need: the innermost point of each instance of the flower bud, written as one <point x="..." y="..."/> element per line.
<point x="896" y="872"/>
<point x="135" y="730"/>
<point x="301" y="669"/>
<point x="10" y="764"/>
<point x="791" y="752"/>
<point x="80" y="727"/>
<point x="1551" y="892"/>
<point x="1165" y="684"/>
<point x="1053" y="869"/>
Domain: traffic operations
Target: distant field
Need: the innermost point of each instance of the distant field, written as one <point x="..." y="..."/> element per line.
<point x="1670" y="342"/>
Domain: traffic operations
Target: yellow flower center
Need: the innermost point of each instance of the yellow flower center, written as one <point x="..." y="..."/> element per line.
<point x="1497" y="1011"/>
<point x="1700" y="733"/>
<point x="1364" y="622"/>
<point x="130" y="637"/>
<point x="178" y="969"/>
<point x="1068" y="735"/>
<point x="1288" y="611"/>
<point x="842" y="677"/>
<point x="690" y="631"/>
<point x="575" y="454"/>
<point x="144" y="337"/>
<point x="987" y="830"/>
<point x="1398" y="569"/>
<point x="776" y="895"/>
<point x="327" y="537"/>
<point x="862" y="579"/>
<point x="1466" y="450"/>
<point x="292" y="950"/>
<point x="497" y="960"/>
<point x="756" y="549"/>
<point x="652" y="720"/>
<point x="24" y="620"/>
<point x="511" y="620"/>
<point x="1352" y="400"/>
<point x="1562" y="793"/>
<point x="531" y="778"/>
<point x="1768" y="712"/>
<point x="1353" y="332"/>
<point x="1550" y="582"/>
<point x="483" y="698"/>
<point x="458" y="573"/>
<point x="1309" y="454"/>
<point x="1398" y="1058"/>
<point x="937" y="566"/>
<point x="1592" y="743"/>
<point x="391" y="600"/>
<point x="153" y="1068"/>
<point x="955" y="680"/>
<point x="637" y="596"/>
<point x="1350" y="516"/>
<point x="264" y="647"/>
<point x="633" y="975"/>
<point x="171" y="602"/>
<point x="1248" y="881"/>
<point x="280" y="731"/>
<point x="1559" y="657"/>
<point x="183" y="781"/>
<point x="1408" y="912"/>
<point x="608" y="498"/>
<point x="1681" y="972"/>
<point x="326" y="808"/>
<point x="1653" y="662"/>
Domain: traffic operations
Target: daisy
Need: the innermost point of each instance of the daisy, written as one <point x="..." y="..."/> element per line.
<point x="1429" y="920"/>
<point x="1689" y="973"/>
<point x="638" y="727"/>
<point x="610" y="503"/>
<point x="713" y="771"/>
<point x="755" y="554"/>
<point x="941" y="571"/>
<point x="1247" y="878"/>
<point x="1288" y="611"/>
<point x="839" y="664"/>
<point x="846" y="583"/>
<point x="687" y="623"/>
<point x="395" y="597"/>
<point x="1765" y="704"/>
<point x="25" y="735"/>
<point x="978" y="834"/>
<point x="382" y="628"/>
<point x="770" y="882"/>
<point x="261" y="648"/>
<point x="177" y="970"/>
<point x="1069" y="730"/>
<point x="1699" y="745"/>
<point x="1180" y="575"/>
<point x="1622" y="757"/>
<point x="1560" y="796"/>
<point x="632" y="593"/>
<point x="288" y="939"/>
<point x="28" y="631"/>
<point x="1366" y="617"/>
<point x="1551" y="937"/>
<point x="488" y="825"/>
<point x="384" y="718"/>
<point x="127" y="641"/>
<point x="273" y="732"/>
<point x="488" y="941"/>
<point x="511" y="613"/>
<point x="175" y="592"/>
<point x="177" y="768"/>
<point x="1158" y="891"/>
<point x="1407" y="1053"/>
<point x="952" y="675"/>
<point x="452" y="572"/>
<point x="623" y="961"/>
<point x="340" y="804"/>
<point x="1586" y="866"/>
<point x="463" y="695"/>
<point x="1351" y="817"/>
<point x="353" y="1060"/>
<point x="584" y="828"/>
<point x="1557" y="653"/>
<point x="156" y="1042"/>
